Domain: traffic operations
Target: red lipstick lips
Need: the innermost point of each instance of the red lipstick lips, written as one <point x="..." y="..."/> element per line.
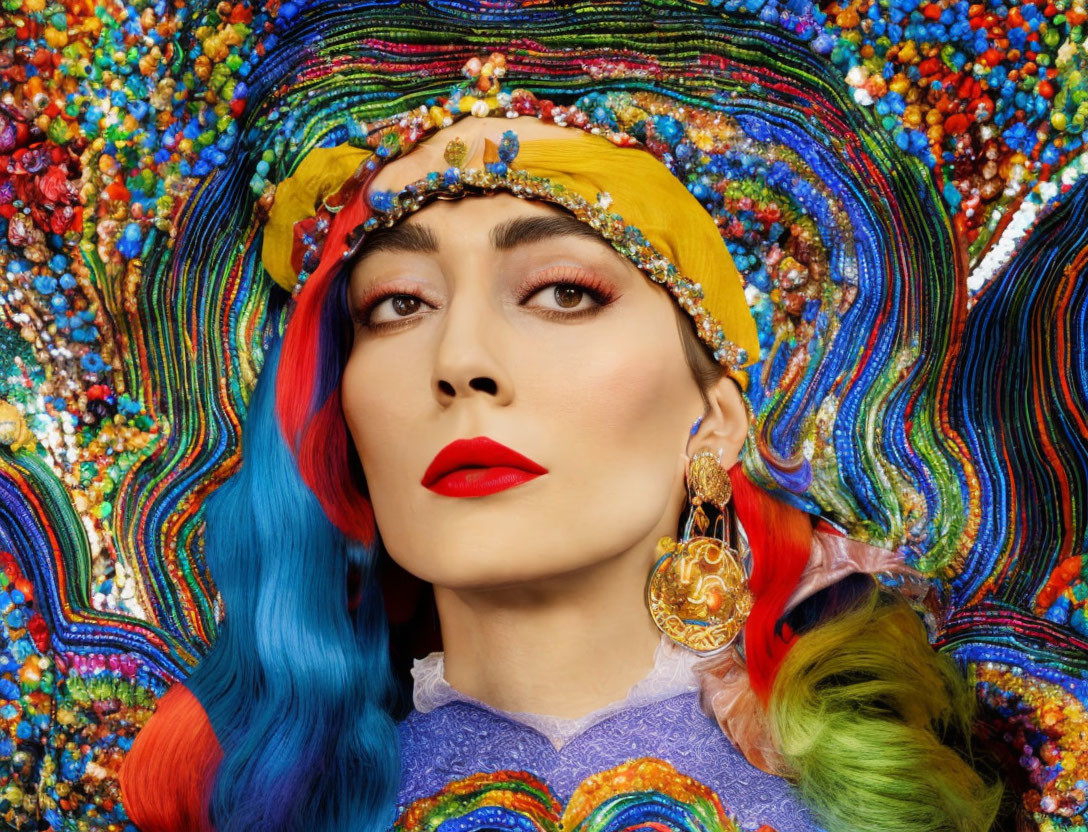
<point x="477" y="467"/>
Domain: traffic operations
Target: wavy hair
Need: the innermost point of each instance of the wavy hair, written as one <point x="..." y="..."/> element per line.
<point x="298" y="687"/>
<point x="875" y="726"/>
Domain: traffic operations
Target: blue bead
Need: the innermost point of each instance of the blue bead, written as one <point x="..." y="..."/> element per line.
<point x="381" y="200"/>
<point x="45" y="284"/>
<point x="92" y="362"/>
<point x="508" y="146"/>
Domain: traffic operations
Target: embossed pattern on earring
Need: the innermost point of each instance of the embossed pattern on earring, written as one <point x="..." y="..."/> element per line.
<point x="697" y="591"/>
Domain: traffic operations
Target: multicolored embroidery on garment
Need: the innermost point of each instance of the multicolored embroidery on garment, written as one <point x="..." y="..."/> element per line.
<point x="646" y="793"/>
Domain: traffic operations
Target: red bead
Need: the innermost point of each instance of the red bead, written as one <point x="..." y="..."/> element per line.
<point x="930" y="66"/>
<point x="956" y="124"/>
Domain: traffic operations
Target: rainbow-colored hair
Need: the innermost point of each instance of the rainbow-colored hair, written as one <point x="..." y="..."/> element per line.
<point x="315" y="350"/>
<point x="298" y="690"/>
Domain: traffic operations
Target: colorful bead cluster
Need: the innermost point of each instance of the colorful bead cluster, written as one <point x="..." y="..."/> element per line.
<point x="66" y="719"/>
<point x="904" y="313"/>
<point x="489" y="799"/>
<point x="645" y="792"/>
<point x="991" y="95"/>
<point x="1064" y="598"/>
<point x="1045" y="726"/>
<point x="109" y="111"/>
<point x="601" y="798"/>
<point x="27" y="681"/>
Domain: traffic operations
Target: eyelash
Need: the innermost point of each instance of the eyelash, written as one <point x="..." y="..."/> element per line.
<point x="598" y="290"/>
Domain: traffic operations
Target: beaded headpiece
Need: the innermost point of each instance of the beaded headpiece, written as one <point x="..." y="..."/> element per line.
<point x="714" y="297"/>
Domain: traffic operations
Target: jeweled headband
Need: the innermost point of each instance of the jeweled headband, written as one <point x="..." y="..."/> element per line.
<point x="604" y="178"/>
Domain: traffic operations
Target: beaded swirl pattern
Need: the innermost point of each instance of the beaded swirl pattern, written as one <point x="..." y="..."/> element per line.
<point x="901" y="184"/>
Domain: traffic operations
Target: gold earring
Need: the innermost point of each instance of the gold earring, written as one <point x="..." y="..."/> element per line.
<point x="697" y="591"/>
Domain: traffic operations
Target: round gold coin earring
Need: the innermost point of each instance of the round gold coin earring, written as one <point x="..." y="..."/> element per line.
<point x="697" y="591"/>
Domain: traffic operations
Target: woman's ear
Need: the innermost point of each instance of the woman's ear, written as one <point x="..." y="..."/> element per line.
<point x="725" y="425"/>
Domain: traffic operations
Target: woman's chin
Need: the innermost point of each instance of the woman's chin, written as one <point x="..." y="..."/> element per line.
<point x="507" y="565"/>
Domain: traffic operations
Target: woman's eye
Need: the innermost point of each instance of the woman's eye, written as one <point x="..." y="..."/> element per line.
<point x="558" y="299"/>
<point x="392" y="309"/>
<point x="569" y="299"/>
<point x="566" y="295"/>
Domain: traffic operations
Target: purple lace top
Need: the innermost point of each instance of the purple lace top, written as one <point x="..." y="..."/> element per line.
<point x="682" y="763"/>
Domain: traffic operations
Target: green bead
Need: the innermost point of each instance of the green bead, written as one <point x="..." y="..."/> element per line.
<point x="58" y="131"/>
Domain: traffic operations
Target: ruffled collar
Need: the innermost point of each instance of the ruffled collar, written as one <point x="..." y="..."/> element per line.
<point x="673" y="674"/>
<point x="722" y="681"/>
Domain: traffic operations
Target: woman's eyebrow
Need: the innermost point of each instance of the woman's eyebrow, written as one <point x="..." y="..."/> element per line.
<point x="523" y="230"/>
<point x="504" y="236"/>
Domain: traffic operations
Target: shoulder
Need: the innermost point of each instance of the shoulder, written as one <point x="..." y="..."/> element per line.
<point x="167" y="776"/>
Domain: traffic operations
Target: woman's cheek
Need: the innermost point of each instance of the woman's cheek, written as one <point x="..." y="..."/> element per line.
<point x="377" y="408"/>
<point x="626" y="390"/>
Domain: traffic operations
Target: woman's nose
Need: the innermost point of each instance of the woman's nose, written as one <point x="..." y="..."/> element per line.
<point x="470" y="354"/>
<point x="484" y="384"/>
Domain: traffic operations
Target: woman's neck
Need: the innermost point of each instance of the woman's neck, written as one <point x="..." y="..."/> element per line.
<point x="562" y="647"/>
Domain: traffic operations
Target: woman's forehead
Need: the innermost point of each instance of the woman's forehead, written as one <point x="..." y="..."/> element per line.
<point x="427" y="156"/>
<point x="493" y="222"/>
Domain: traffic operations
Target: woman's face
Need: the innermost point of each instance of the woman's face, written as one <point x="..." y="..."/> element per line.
<point x="493" y="316"/>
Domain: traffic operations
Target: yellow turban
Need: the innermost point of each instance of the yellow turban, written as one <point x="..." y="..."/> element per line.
<point x="320" y="173"/>
<point x="642" y="191"/>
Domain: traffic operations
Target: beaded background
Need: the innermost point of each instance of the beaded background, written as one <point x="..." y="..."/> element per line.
<point x="900" y="182"/>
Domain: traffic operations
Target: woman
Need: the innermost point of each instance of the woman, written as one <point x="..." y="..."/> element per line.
<point x="577" y="330"/>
